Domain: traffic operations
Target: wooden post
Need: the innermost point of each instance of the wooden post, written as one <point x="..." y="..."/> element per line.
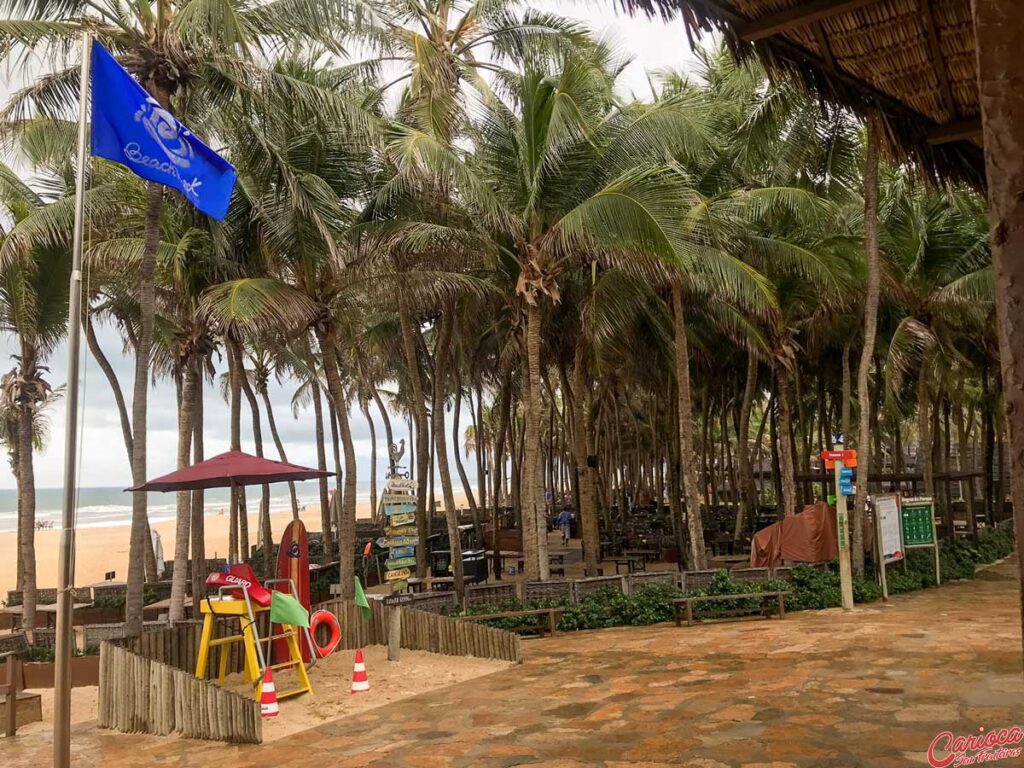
<point x="1000" y="72"/>
<point x="843" y="534"/>
<point x="395" y="634"/>
<point x="12" y="686"/>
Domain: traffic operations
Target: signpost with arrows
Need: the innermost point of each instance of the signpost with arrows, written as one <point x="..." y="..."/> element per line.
<point x="843" y="463"/>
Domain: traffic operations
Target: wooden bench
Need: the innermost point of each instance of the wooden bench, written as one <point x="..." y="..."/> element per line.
<point x="766" y="607"/>
<point x="547" y="618"/>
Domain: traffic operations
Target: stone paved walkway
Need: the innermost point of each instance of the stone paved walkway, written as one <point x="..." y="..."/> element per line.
<point x="868" y="688"/>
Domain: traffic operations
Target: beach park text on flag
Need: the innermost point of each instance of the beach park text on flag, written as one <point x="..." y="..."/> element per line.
<point x="131" y="128"/>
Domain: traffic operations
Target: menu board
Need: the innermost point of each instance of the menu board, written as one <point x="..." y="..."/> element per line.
<point x="887" y="508"/>
<point x="918" y="519"/>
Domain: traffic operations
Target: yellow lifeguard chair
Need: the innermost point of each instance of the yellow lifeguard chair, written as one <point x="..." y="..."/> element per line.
<point x="225" y="605"/>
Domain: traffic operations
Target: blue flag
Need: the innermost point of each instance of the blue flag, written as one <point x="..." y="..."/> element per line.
<point x="131" y="128"/>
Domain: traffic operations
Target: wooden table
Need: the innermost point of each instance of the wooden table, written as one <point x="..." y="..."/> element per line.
<point x="632" y="564"/>
<point x="688" y="602"/>
<point x="649" y="555"/>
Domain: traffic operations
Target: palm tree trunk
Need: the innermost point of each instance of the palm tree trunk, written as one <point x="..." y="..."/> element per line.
<point x="440" y="441"/>
<point x="321" y="458"/>
<point x="535" y="530"/>
<point x="280" y="448"/>
<point x="339" y="470"/>
<point x="481" y="451"/>
<point x="265" y="536"/>
<point x="676" y="486"/>
<point x="924" y="436"/>
<point x="27" y="492"/>
<point x="235" y="406"/>
<point x="365" y="407"/>
<point x="746" y="480"/>
<point x="198" y="497"/>
<point x="115" y="385"/>
<point x="419" y="410"/>
<point x="15" y="460"/>
<point x="141" y="548"/>
<point x="694" y="524"/>
<point x="186" y="412"/>
<point x="347" y="522"/>
<point x="785" y="430"/>
<point x="467" y="488"/>
<point x="845" y="406"/>
<point x="389" y="435"/>
<point x="498" y="472"/>
<point x="582" y="449"/>
<point x="867" y="351"/>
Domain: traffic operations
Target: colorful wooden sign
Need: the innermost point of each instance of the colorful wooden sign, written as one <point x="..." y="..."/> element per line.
<point x="399" y="509"/>
<point x="393" y="564"/>
<point x="400" y="575"/>
<point x="399" y="552"/>
<point x="397" y="541"/>
<point x="399" y="520"/>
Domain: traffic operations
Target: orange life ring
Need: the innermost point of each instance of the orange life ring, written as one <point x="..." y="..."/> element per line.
<point x="325" y="617"/>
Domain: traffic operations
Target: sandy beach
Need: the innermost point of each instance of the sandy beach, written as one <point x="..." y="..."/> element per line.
<point x="100" y="550"/>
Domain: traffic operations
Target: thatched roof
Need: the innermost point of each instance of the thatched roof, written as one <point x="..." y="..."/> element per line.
<point x="911" y="60"/>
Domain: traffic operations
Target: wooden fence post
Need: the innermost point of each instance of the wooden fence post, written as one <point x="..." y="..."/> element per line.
<point x="395" y="634"/>
<point x="12" y="687"/>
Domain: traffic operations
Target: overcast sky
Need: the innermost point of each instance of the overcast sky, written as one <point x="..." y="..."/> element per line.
<point x="652" y="44"/>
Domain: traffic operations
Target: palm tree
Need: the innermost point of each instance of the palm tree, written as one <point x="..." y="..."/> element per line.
<point x="186" y="58"/>
<point x="33" y="307"/>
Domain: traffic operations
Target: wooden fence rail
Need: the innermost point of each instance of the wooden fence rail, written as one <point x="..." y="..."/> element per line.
<point x="138" y="695"/>
<point x="423" y="631"/>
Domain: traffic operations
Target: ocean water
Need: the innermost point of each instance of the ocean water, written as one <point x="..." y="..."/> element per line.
<point x="102" y="507"/>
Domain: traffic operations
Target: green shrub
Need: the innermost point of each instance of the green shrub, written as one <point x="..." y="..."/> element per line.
<point x="810" y="589"/>
<point x="38" y="653"/>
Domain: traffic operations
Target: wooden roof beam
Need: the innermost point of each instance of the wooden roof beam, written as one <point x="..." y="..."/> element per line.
<point x="798" y="16"/>
<point x="938" y="60"/>
<point x="958" y="130"/>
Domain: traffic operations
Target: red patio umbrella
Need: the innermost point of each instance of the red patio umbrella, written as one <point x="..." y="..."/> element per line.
<point x="230" y="469"/>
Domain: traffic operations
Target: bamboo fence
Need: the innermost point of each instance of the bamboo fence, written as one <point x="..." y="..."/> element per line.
<point x="138" y="695"/>
<point x="147" y="683"/>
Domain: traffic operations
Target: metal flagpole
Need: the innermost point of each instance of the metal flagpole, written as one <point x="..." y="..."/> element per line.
<point x="65" y="575"/>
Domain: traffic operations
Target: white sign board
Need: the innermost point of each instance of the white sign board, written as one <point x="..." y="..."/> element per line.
<point x="887" y="508"/>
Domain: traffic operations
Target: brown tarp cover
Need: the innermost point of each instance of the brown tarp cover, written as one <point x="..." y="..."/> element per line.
<point x="807" y="537"/>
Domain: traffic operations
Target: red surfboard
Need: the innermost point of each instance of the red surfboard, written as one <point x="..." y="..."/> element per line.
<point x="293" y="563"/>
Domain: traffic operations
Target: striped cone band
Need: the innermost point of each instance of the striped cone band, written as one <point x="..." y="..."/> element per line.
<point x="268" y="696"/>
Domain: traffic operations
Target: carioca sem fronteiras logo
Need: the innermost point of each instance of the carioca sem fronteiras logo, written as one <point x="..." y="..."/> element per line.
<point x="949" y="751"/>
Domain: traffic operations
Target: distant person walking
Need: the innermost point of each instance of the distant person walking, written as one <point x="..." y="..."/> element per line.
<point x="565" y="524"/>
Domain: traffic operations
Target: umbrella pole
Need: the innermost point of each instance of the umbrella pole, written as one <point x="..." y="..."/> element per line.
<point x="233" y="515"/>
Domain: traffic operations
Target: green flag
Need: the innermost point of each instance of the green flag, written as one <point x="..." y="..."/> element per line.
<point x="285" y="609"/>
<point x="364" y="607"/>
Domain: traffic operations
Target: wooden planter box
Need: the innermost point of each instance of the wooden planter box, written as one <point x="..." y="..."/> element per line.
<point x="85" y="671"/>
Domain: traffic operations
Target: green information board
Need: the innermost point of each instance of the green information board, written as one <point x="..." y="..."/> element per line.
<point x="918" y="522"/>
